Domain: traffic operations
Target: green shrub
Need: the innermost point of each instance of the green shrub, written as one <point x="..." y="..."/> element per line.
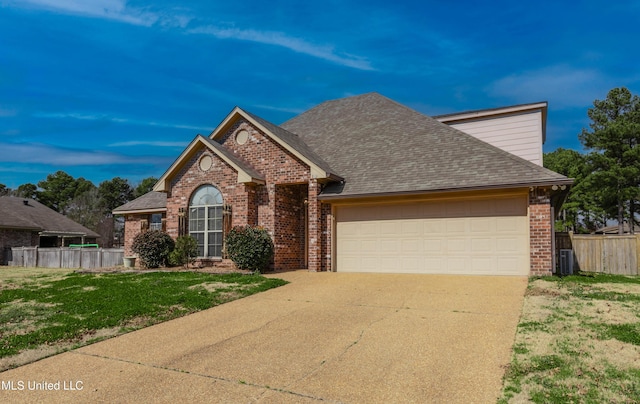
<point x="153" y="248"/>
<point x="249" y="247"/>
<point x="185" y="250"/>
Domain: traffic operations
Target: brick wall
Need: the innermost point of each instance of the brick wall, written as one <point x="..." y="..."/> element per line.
<point x="540" y="232"/>
<point x="132" y="226"/>
<point x="269" y="158"/>
<point x="191" y="177"/>
<point x="16" y="238"/>
<point x="279" y="203"/>
<point x="278" y="206"/>
<point x="289" y="226"/>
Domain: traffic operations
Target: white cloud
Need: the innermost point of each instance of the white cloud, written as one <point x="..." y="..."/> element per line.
<point x="292" y="43"/>
<point x="563" y="86"/>
<point x="104" y="117"/>
<point x="37" y="153"/>
<point x="22" y="169"/>
<point x="116" y="10"/>
<point x="119" y="10"/>
<point x="148" y="143"/>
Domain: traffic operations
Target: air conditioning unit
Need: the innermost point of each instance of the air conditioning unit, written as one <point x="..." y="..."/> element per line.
<point x="566" y="262"/>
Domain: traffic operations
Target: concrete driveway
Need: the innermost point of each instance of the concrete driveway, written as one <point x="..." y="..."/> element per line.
<point x="332" y="337"/>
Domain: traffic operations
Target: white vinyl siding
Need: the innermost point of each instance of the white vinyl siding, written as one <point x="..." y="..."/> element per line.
<point x="483" y="237"/>
<point x="519" y="134"/>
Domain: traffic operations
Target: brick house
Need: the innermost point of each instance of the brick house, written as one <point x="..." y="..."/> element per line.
<point x="27" y="223"/>
<point x="365" y="184"/>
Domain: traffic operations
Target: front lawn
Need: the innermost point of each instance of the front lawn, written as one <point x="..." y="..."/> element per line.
<point x="578" y="341"/>
<point x="47" y="312"/>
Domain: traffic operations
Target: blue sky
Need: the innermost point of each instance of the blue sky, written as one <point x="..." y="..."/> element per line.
<point x="106" y="88"/>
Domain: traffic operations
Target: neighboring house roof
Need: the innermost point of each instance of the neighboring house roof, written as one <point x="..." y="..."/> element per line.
<point x="150" y="202"/>
<point x="27" y="214"/>
<point x="614" y="229"/>
<point x="381" y="147"/>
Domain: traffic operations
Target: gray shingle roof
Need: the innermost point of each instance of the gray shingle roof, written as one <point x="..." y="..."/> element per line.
<point x="150" y="201"/>
<point x="15" y="214"/>
<point x="380" y="147"/>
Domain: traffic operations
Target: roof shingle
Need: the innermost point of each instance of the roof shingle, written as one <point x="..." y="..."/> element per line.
<point x="150" y="201"/>
<point x="16" y="214"/>
<point x="382" y="147"/>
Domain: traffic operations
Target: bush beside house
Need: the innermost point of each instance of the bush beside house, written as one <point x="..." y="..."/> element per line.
<point x="250" y="248"/>
<point x="185" y="251"/>
<point x="153" y="248"/>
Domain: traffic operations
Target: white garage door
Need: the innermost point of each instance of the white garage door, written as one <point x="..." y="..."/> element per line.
<point x="482" y="236"/>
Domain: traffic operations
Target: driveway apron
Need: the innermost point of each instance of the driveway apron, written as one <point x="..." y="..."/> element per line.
<point x="330" y="337"/>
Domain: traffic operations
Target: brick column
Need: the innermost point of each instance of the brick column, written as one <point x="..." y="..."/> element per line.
<point x="327" y="224"/>
<point x="131" y="230"/>
<point x="315" y="233"/>
<point x="540" y="233"/>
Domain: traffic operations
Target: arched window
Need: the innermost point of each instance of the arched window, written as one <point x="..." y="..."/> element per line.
<point x="205" y="220"/>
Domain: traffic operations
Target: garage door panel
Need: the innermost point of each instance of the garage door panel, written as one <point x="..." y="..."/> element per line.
<point x="411" y="246"/>
<point x="433" y="226"/>
<point x="487" y="236"/>
<point x="349" y="229"/>
<point x="483" y="245"/>
<point x="456" y="226"/>
<point x="367" y="227"/>
<point x="510" y="244"/>
<point x="434" y="264"/>
<point x="508" y="224"/>
<point x="484" y="265"/>
<point x="506" y="265"/>
<point x="457" y="265"/>
<point x="390" y="228"/>
<point x="411" y="264"/>
<point x="369" y="261"/>
<point x="433" y="246"/>
<point x="458" y="245"/>
<point x="369" y="246"/>
<point x="482" y="225"/>
<point x="391" y="246"/>
<point x="411" y="227"/>
<point x="349" y="246"/>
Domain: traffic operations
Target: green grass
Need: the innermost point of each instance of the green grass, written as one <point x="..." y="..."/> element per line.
<point x="578" y="341"/>
<point x="590" y="278"/>
<point x="40" y="311"/>
<point x="629" y="332"/>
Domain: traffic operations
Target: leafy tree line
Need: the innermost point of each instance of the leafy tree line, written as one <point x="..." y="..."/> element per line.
<point x="81" y="200"/>
<point x="607" y="175"/>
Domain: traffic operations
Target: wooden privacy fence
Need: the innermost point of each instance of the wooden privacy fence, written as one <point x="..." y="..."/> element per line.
<point x="86" y="258"/>
<point x="610" y="254"/>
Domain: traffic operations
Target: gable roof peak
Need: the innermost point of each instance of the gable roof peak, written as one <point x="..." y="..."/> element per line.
<point x="289" y="140"/>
